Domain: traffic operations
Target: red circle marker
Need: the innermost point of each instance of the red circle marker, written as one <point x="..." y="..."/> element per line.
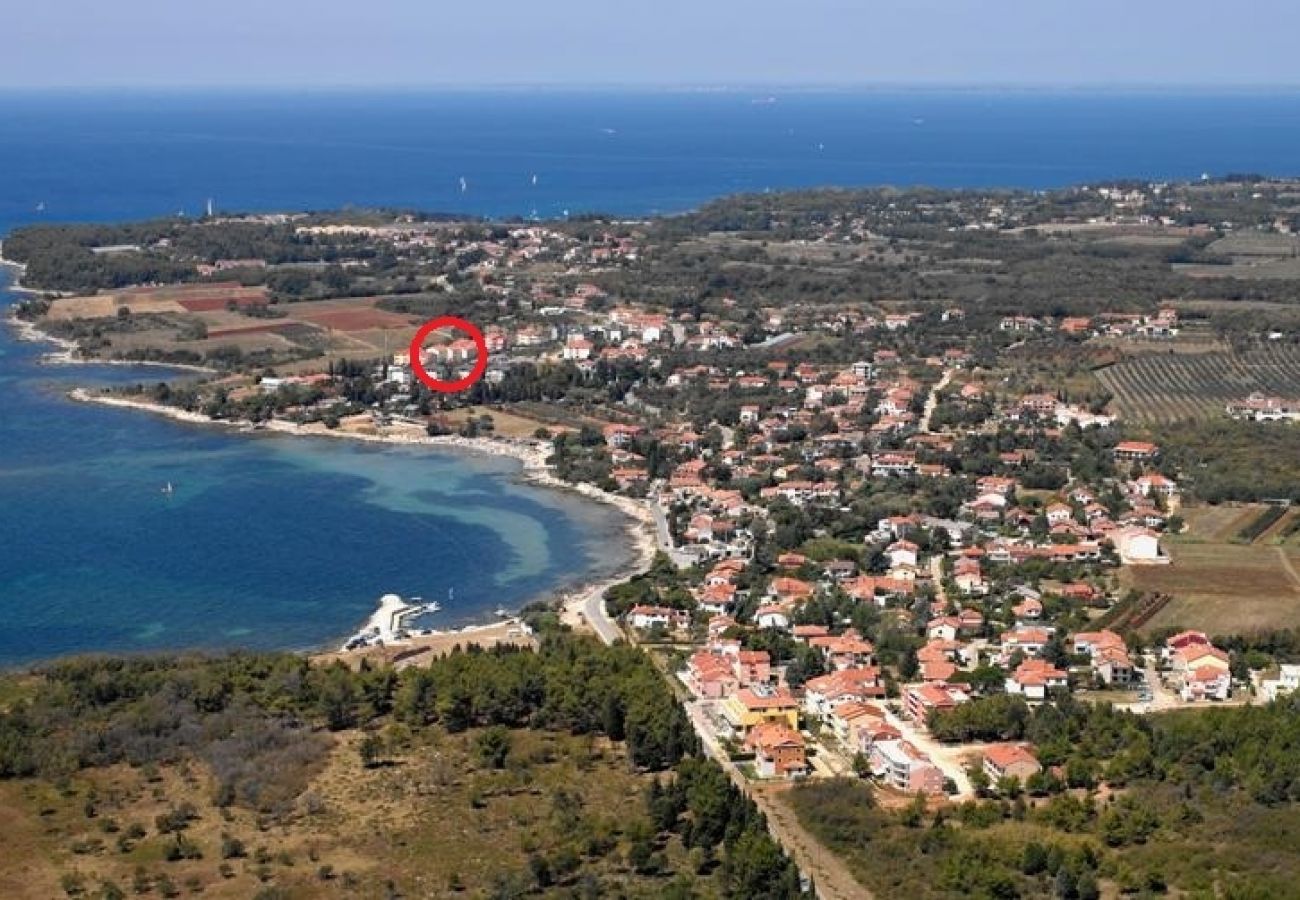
<point x="417" y="348"/>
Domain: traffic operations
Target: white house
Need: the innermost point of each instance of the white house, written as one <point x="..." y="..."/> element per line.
<point x="1138" y="546"/>
<point x="650" y="616"/>
<point x="1287" y="681"/>
<point x="772" y="617"/>
<point x="901" y="553"/>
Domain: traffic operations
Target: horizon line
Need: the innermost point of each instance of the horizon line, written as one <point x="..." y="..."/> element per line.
<point x="669" y="87"/>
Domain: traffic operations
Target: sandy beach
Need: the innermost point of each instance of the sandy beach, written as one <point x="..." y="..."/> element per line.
<point x="531" y="454"/>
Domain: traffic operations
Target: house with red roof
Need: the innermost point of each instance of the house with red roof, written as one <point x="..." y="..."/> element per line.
<point x="1181" y="641"/>
<point x="1136" y="450"/>
<point x="1154" y="484"/>
<point x="919" y="700"/>
<point x="790" y="589"/>
<point x="778" y="751"/>
<point x="1010" y="761"/>
<point x="825" y="692"/>
<point x="943" y="628"/>
<point x="842" y="651"/>
<point x="806" y="633"/>
<point x="752" y="667"/>
<point x="1206" y="683"/>
<point x="1029" y="640"/>
<point x="709" y="675"/>
<point x="1036" y="679"/>
<point x="621" y="436"/>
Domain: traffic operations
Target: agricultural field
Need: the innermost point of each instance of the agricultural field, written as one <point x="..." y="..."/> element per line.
<point x="1219" y="583"/>
<point x="1161" y="388"/>
<point x="1249" y="255"/>
<point x="208" y="320"/>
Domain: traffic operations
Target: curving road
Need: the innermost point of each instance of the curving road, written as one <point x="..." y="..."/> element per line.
<point x="593" y="611"/>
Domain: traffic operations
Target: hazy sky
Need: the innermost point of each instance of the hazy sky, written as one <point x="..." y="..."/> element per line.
<point x="181" y="43"/>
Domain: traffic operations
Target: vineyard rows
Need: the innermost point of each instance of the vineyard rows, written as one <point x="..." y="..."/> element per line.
<point x="1163" y="388"/>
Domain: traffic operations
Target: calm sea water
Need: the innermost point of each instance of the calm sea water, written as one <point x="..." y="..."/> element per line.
<point x="113" y="156"/>
<point x="268" y="541"/>
<point x="278" y="542"/>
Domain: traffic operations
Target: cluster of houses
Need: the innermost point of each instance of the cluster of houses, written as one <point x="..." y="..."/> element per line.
<point x="849" y="705"/>
<point x="1161" y="324"/>
<point x="850" y="708"/>
<point x="1265" y="408"/>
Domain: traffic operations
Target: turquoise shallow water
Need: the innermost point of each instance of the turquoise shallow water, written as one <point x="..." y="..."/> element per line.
<point x="268" y="541"/>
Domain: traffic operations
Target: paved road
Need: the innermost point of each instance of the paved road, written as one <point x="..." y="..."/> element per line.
<point x="664" y="537"/>
<point x="593" y="610"/>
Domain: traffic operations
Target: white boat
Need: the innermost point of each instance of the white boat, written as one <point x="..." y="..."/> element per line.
<point x="502" y="612"/>
<point x="168" y="489"/>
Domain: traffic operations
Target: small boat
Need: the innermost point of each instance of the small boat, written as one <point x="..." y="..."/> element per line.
<point x="168" y="489"/>
<point x="502" y="612"/>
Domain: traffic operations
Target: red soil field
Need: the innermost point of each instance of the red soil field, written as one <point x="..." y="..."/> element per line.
<point x="208" y="303"/>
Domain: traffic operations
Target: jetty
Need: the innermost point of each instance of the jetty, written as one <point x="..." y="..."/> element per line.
<point x="386" y="625"/>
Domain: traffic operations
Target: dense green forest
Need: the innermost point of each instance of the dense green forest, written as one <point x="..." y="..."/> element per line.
<point x="264" y="725"/>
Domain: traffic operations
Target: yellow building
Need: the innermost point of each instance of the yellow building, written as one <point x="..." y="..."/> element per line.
<point x="761" y="703"/>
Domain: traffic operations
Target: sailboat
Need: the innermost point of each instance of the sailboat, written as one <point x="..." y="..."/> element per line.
<point x="464" y="185"/>
<point x="168" y="489"/>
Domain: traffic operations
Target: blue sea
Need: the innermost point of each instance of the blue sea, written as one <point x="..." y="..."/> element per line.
<point x="99" y="156"/>
<point x="267" y="541"/>
<point x="283" y="542"/>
